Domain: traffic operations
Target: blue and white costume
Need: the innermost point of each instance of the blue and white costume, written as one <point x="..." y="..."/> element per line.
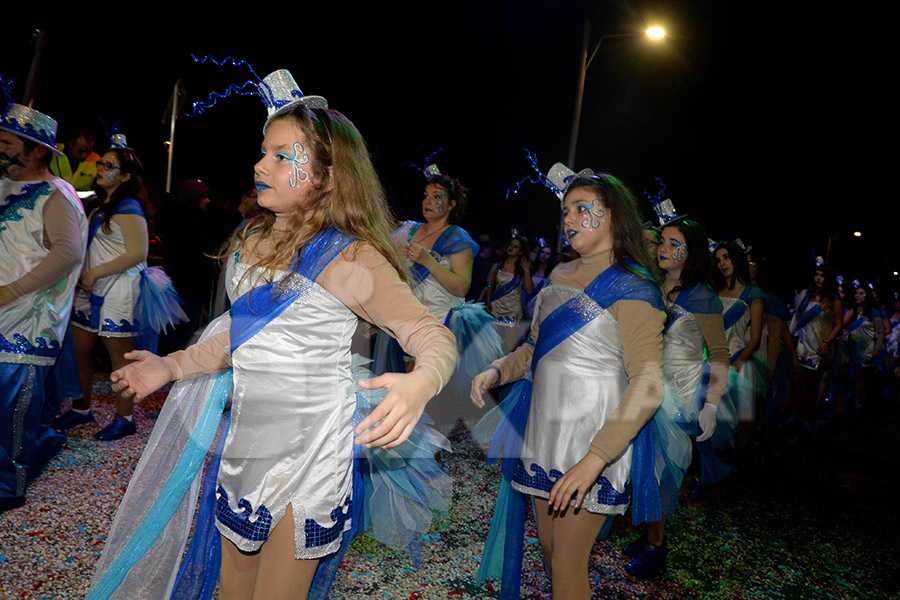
<point x="32" y="328"/>
<point x="295" y="405"/>
<point x="548" y="420"/>
<point x="737" y="318"/>
<point x="811" y="326"/>
<point x="477" y="339"/>
<point x="137" y="302"/>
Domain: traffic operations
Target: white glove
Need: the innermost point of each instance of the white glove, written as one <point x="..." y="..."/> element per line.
<point x="707" y="421"/>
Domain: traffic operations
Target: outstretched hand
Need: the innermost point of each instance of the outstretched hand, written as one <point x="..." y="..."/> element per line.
<point x="391" y="422"/>
<point x="142" y="377"/>
<point x="577" y="480"/>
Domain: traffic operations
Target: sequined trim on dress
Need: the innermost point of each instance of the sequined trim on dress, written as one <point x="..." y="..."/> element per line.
<point x="240" y="523"/>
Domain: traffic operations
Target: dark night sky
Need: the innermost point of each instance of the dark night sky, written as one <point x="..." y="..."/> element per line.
<point x="762" y="118"/>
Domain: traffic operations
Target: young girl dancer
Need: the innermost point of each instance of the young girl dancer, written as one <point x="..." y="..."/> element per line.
<point x="866" y="340"/>
<point x="503" y="294"/>
<point x="118" y="299"/>
<point x="816" y="325"/>
<point x="314" y="261"/>
<point x="695" y="324"/>
<point x="595" y="359"/>
<point x="744" y="317"/>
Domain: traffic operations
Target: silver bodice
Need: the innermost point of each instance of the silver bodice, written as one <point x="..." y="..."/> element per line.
<point x="683" y="362"/>
<point x="509" y="305"/>
<point x="577" y="386"/>
<point x="811" y="336"/>
<point x="429" y="292"/>
<point x="291" y="435"/>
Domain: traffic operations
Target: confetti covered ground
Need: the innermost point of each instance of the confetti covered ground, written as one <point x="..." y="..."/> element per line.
<point x="811" y="516"/>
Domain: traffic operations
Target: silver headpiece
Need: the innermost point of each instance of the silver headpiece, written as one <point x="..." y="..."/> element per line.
<point x="28" y="123"/>
<point x="280" y="93"/>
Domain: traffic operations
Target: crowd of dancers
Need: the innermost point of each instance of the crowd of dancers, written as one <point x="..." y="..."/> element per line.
<point x="596" y="375"/>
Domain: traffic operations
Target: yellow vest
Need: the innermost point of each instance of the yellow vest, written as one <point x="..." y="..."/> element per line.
<point x="83" y="178"/>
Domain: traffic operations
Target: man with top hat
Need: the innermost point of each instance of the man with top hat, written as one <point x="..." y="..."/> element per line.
<point x="43" y="231"/>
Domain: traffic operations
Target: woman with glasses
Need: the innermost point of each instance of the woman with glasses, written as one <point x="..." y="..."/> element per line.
<point x="118" y="298"/>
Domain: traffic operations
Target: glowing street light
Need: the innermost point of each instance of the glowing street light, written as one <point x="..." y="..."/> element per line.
<point x="857" y="234"/>
<point x="655" y="33"/>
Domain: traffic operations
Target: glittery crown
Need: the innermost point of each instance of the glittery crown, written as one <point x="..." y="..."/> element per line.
<point x="514" y="231"/>
<point x="431" y="171"/>
<point x="279" y="92"/>
<point x="856" y="283"/>
<point x="560" y="176"/>
<point x="745" y="249"/>
<point x="712" y="245"/>
<point x="28" y="123"/>
<point x="662" y="206"/>
<point x="118" y="140"/>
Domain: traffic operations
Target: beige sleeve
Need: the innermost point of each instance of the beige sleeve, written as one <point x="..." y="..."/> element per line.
<point x="209" y="357"/>
<point x="640" y="327"/>
<point x="363" y="279"/>
<point x="713" y="329"/>
<point x="516" y="364"/>
<point x="62" y="235"/>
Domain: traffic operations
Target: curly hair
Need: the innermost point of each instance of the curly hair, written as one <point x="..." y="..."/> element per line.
<point x="457" y="192"/>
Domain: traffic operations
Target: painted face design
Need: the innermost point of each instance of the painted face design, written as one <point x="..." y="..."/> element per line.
<point x="672" y="251"/>
<point x="439" y="200"/>
<point x="299" y="158"/>
<point x="594" y="213"/>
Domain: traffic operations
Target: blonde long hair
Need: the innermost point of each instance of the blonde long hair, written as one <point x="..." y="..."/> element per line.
<point x="349" y="195"/>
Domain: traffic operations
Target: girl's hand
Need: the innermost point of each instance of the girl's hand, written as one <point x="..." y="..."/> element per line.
<point x="577" y="480"/>
<point x="87" y="281"/>
<point x="144" y="376"/>
<point x="823" y="349"/>
<point x="795" y="364"/>
<point x="418" y="254"/>
<point x="737" y="365"/>
<point x="398" y="413"/>
<point x="480" y="384"/>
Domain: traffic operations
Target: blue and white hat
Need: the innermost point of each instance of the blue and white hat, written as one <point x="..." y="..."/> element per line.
<point x="560" y="177"/>
<point x="118" y="140"/>
<point x="280" y="93"/>
<point x="28" y="123"/>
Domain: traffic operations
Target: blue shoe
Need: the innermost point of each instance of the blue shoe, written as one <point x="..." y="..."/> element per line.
<point x="119" y="428"/>
<point x="70" y="419"/>
<point x="651" y="562"/>
<point x="635" y="548"/>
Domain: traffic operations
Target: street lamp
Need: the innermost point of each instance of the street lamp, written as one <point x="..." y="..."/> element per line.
<point x="654" y="33"/>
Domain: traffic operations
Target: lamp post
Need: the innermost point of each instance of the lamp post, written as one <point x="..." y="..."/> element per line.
<point x="654" y="33"/>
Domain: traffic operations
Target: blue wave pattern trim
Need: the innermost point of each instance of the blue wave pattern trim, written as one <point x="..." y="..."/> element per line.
<point x="316" y="535"/>
<point x="23" y="346"/>
<point x="240" y="522"/>
<point x="79" y="317"/>
<point x="123" y="326"/>
<point x="606" y="494"/>
<point x="23" y="201"/>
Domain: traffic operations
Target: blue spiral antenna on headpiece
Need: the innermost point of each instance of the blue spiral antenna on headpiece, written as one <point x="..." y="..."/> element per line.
<point x="540" y="178"/>
<point x="429" y="168"/>
<point x="109" y="131"/>
<point x="240" y="90"/>
<point x="662" y="206"/>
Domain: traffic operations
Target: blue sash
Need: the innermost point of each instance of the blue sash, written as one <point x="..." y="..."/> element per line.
<point x="452" y="240"/>
<point x="506" y="535"/>
<point x="256" y="308"/>
<point x="128" y="206"/>
<point x="858" y="323"/>
<point x="734" y="314"/>
<point x="699" y="299"/>
<point x="507" y="288"/>
<point x="807" y="314"/>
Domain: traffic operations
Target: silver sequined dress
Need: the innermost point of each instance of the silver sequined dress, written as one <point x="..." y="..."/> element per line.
<point x="291" y="434"/>
<point x="683" y="362"/>
<point x="577" y="386"/>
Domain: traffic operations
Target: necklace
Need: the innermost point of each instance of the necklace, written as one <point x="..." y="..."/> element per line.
<point x="425" y="237"/>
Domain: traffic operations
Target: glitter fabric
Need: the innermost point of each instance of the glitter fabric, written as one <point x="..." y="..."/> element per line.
<point x="316" y="535"/>
<point x="24" y="348"/>
<point x="23" y="399"/>
<point x="29" y="123"/>
<point x="606" y="494"/>
<point x="279" y="92"/>
<point x="22" y="201"/>
<point x="257" y="531"/>
<point x="122" y="327"/>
